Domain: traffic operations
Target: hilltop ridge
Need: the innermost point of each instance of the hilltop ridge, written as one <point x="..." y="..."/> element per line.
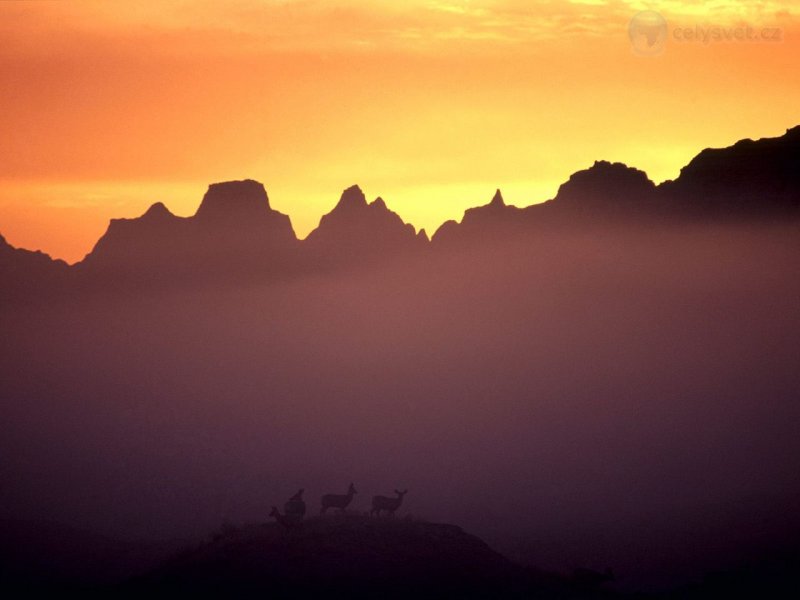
<point x="352" y="555"/>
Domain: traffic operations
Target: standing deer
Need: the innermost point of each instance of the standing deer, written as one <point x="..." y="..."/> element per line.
<point x="339" y="501"/>
<point x="295" y="508"/>
<point x="284" y="521"/>
<point x="390" y="505"/>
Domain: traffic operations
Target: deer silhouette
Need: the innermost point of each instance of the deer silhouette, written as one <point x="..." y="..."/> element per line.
<point x="339" y="501"/>
<point x="295" y="507"/>
<point x="390" y="505"/>
<point x="283" y="521"/>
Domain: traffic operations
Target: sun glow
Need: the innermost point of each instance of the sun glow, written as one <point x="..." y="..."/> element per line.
<point x="108" y="107"/>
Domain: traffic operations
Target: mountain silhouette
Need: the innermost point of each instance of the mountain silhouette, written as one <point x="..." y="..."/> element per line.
<point x="607" y="189"/>
<point x="751" y="179"/>
<point x="235" y="235"/>
<point x="758" y="178"/>
<point x="605" y="192"/>
<point x="234" y="232"/>
<point x="481" y="222"/>
<point x="356" y="230"/>
<point x="25" y="274"/>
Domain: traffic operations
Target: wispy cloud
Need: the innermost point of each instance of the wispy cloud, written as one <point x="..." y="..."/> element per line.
<point x="257" y="25"/>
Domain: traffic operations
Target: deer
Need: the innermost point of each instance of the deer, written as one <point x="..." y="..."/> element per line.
<point x="339" y="501"/>
<point x="295" y="507"/>
<point x="390" y="505"/>
<point x="283" y="520"/>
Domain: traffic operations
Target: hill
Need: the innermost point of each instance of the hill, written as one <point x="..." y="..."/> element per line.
<point x="355" y="556"/>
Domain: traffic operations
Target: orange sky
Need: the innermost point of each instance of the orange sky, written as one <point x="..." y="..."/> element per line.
<point x="108" y="107"/>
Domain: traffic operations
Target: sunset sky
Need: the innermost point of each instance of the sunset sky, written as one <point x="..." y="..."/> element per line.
<point x="107" y="107"/>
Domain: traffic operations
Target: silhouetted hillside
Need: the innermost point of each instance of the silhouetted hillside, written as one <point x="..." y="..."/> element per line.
<point x="775" y="575"/>
<point x="356" y="556"/>
<point x="752" y="178"/>
<point x="598" y="397"/>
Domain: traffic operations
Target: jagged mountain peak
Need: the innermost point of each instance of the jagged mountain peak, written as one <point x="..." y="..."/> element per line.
<point x="496" y="207"/>
<point x="355" y="226"/>
<point x="352" y="198"/>
<point x="495" y="213"/>
<point x="497" y="199"/>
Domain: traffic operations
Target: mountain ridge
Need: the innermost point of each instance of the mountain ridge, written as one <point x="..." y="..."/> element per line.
<point x="236" y="231"/>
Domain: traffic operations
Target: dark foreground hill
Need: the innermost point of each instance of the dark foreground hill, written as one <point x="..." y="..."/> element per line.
<point x="356" y="556"/>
